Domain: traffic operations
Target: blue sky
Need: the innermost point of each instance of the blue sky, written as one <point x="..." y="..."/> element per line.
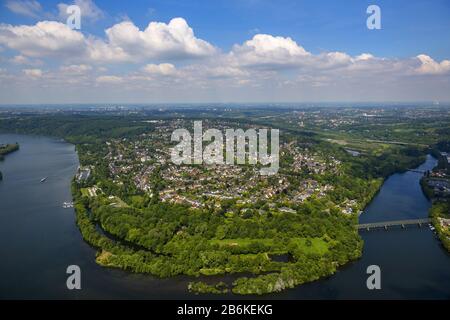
<point x="407" y="26"/>
<point x="409" y="29"/>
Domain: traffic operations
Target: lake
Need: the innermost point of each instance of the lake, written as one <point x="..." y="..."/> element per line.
<point x="40" y="239"/>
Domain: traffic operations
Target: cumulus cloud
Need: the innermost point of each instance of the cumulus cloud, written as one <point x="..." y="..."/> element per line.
<point x="109" y="79"/>
<point x="20" y="59"/>
<point x="267" y="49"/>
<point x="275" y="52"/>
<point x="164" y="56"/>
<point x="159" y="40"/>
<point x="29" y="8"/>
<point x="46" y="38"/>
<point x="429" y="66"/>
<point x="364" y="57"/>
<point x="224" y="72"/>
<point x="75" y="69"/>
<point x="165" y="69"/>
<point x="338" y="58"/>
<point x="98" y="50"/>
<point x="124" y="41"/>
<point x="34" y="73"/>
<point x="88" y="9"/>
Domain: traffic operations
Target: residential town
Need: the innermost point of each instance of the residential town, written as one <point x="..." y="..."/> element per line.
<point x="147" y="163"/>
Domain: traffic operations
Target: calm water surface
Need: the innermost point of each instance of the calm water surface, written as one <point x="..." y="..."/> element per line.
<point x="39" y="239"/>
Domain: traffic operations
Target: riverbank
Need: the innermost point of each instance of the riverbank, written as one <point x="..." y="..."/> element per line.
<point x="436" y="186"/>
<point x="440" y="217"/>
<point x="439" y="214"/>
<point x="7" y="149"/>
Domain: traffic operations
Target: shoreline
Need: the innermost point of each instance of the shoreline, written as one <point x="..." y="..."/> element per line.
<point x="439" y="206"/>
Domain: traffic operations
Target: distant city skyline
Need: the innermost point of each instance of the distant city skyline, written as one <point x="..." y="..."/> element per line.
<point x="223" y="52"/>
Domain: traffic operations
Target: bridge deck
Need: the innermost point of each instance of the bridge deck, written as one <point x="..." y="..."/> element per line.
<point x="418" y="171"/>
<point x="386" y="224"/>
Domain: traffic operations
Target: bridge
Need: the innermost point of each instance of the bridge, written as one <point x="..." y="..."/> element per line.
<point x="386" y="224"/>
<point x="418" y="171"/>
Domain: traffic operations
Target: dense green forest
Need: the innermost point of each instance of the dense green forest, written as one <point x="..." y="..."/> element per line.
<point x="77" y="129"/>
<point x="168" y="240"/>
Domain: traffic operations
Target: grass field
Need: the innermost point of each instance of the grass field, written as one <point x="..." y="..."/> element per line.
<point x="117" y="202"/>
<point x="315" y="245"/>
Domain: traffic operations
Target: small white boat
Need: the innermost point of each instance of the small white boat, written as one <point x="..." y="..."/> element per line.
<point x="43" y="179"/>
<point x="67" y="205"/>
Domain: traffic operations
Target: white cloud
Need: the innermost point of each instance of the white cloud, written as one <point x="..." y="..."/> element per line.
<point x="275" y="53"/>
<point x="109" y="79"/>
<point x="161" y="56"/>
<point x="46" y="38"/>
<point x="125" y="42"/>
<point x="336" y="58"/>
<point x="88" y="8"/>
<point x="75" y="69"/>
<point x="267" y="49"/>
<point x="217" y="69"/>
<point x="34" y="73"/>
<point x="174" y="40"/>
<point x="364" y="57"/>
<point x="225" y="72"/>
<point x="20" y="59"/>
<point x="429" y="66"/>
<point x="165" y="69"/>
<point x="29" y="8"/>
<point x="98" y="50"/>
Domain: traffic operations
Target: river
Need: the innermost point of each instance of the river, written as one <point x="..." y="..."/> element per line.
<point x="39" y="239"/>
